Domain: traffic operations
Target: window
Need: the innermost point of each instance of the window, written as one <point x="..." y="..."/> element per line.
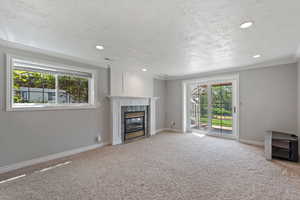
<point x="39" y="85"/>
<point x="73" y="90"/>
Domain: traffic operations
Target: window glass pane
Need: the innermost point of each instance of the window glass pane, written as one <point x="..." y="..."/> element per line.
<point x="73" y="90"/>
<point x="33" y="87"/>
<point x="199" y="107"/>
<point x="222" y="107"/>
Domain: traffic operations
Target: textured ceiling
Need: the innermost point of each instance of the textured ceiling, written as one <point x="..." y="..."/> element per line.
<point x="172" y="37"/>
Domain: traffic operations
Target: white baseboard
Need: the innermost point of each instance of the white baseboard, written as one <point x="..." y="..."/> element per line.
<point x="252" y="142"/>
<point x="159" y="130"/>
<point x="35" y="161"/>
<point x="173" y="130"/>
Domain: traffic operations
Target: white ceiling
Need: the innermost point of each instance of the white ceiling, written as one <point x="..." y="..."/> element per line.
<point x="172" y="37"/>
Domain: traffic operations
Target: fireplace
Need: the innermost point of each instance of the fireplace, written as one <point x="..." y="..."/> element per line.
<point x="134" y="125"/>
<point x="142" y="112"/>
<point x="134" y="122"/>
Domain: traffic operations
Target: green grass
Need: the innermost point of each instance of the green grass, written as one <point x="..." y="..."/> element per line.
<point x="218" y="122"/>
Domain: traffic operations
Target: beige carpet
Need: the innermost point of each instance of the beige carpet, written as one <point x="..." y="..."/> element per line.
<point x="167" y="166"/>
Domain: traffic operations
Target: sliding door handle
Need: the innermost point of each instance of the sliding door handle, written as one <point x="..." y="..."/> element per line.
<point x="234" y="109"/>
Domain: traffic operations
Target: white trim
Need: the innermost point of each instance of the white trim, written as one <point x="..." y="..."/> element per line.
<point x="18" y="46"/>
<point x="132" y="97"/>
<point x="116" y="103"/>
<point x="35" y="161"/>
<point x="272" y="63"/>
<point x="49" y="63"/>
<point x="52" y="107"/>
<point x="168" y="130"/>
<point x="216" y="79"/>
<point x="185" y="107"/>
<point x="152" y="116"/>
<point x="234" y="78"/>
<point x="9" y="95"/>
<point x="160" y="77"/>
<point x="13" y="178"/>
<point x="252" y="142"/>
<point x="9" y="82"/>
<point x="297" y="53"/>
<point x="236" y="103"/>
<point x="160" y="130"/>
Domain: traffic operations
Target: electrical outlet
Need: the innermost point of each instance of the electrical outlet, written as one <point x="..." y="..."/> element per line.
<point x="98" y="138"/>
<point x="173" y="123"/>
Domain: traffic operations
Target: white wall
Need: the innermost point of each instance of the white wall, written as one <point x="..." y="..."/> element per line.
<point x="160" y="91"/>
<point x="140" y="84"/>
<point x="268" y="101"/>
<point x="128" y="83"/>
<point x="32" y="134"/>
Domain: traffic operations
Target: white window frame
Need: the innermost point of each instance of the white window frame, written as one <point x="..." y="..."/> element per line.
<point x="10" y="106"/>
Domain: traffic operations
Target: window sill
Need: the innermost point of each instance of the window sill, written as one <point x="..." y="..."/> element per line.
<point x="50" y="107"/>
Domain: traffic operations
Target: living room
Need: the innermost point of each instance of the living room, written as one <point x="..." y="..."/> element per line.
<point x="149" y="100"/>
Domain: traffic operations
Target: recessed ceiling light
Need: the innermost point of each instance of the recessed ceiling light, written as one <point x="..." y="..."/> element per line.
<point x="144" y="70"/>
<point x="246" y="25"/>
<point x="257" y="56"/>
<point x="99" y="47"/>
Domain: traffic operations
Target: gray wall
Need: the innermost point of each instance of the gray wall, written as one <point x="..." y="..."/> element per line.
<point x="31" y="134"/>
<point x="299" y="99"/>
<point x="159" y="90"/>
<point x="267" y="101"/>
<point x="299" y="102"/>
<point x="174" y="104"/>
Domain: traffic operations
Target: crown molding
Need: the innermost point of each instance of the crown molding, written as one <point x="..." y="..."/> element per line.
<point x="19" y="46"/>
<point x="281" y="61"/>
<point x="160" y="77"/>
<point x="271" y="63"/>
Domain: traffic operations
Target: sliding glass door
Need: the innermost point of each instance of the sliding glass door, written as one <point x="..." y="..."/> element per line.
<point x="213" y="107"/>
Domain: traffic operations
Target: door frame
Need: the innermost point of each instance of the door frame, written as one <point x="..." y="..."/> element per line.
<point x="186" y="94"/>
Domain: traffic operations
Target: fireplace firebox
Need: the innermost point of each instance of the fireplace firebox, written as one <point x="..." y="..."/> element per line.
<point x="134" y="125"/>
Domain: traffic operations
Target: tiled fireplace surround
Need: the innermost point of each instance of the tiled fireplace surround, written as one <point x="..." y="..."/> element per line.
<point x="119" y="104"/>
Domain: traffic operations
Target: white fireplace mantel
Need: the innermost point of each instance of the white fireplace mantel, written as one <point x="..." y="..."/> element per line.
<point x="116" y="103"/>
